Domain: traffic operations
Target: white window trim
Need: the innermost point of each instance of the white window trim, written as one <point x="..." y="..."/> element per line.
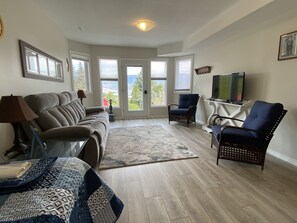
<point x="192" y="72"/>
<point x="119" y="79"/>
<point x="83" y="56"/>
<point x="150" y="79"/>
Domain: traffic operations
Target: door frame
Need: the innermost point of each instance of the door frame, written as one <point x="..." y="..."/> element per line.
<point x="144" y="64"/>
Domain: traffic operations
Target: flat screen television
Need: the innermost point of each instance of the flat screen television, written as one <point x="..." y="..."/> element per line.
<point x="228" y="87"/>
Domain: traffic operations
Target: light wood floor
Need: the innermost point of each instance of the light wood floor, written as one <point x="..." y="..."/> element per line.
<point x="197" y="190"/>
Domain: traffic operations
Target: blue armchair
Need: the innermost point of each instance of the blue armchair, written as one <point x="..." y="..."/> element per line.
<point x="249" y="142"/>
<point x="185" y="110"/>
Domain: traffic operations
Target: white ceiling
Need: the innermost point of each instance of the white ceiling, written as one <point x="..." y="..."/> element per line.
<point x="110" y="22"/>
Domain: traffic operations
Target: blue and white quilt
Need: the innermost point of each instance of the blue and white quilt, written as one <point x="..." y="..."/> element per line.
<point x="58" y="190"/>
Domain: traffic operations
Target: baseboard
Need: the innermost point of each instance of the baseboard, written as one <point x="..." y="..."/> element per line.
<point x="283" y="157"/>
<point x="207" y="128"/>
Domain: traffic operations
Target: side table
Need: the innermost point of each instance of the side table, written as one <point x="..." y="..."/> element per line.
<point x="53" y="149"/>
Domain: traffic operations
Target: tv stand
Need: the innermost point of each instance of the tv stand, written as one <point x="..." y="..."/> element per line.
<point x="219" y="100"/>
<point x="227" y="109"/>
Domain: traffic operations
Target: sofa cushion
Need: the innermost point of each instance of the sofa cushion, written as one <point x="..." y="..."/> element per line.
<point x="77" y="106"/>
<point x="64" y="98"/>
<point x="47" y="121"/>
<point x="42" y="102"/>
<point x="94" y="110"/>
<point x="74" y="114"/>
<point x="59" y="116"/>
<point x="67" y="115"/>
<point x="72" y="133"/>
<point x="72" y="94"/>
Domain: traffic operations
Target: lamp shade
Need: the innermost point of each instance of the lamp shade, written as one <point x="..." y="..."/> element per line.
<point x="14" y="109"/>
<point x="81" y="94"/>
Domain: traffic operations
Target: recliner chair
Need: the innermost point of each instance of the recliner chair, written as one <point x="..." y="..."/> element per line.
<point x="185" y="110"/>
<point x="249" y="142"/>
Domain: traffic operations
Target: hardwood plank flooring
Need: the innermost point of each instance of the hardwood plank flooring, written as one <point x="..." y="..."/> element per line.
<point x="197" y="190"/>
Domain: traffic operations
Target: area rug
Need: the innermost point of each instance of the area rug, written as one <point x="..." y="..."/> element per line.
<point x="142" y="144"/>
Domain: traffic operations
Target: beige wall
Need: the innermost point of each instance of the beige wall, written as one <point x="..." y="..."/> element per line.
<point x="255" y="51"/>
<point x="22" y="20"/>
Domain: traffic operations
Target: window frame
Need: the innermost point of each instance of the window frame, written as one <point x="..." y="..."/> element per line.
<point x="24" y="48"/>
<point x="166" y="79"/>
<point x="84" y="57"/>
<point x="110" y="79"/>
<point x="176" y="60"/>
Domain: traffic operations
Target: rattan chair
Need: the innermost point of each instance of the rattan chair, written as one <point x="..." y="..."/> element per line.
<point x="249" y="142"/>
<point x="185" y="110"/>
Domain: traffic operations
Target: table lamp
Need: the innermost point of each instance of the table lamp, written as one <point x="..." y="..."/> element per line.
<point x="14" y="109"/>
<point x="81" y="95"/>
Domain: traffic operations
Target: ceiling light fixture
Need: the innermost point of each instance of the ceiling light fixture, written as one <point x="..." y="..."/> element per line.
<point x="145" y="25"/>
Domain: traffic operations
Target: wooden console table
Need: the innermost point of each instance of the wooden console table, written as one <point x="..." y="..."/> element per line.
<point x="231" y="110"/>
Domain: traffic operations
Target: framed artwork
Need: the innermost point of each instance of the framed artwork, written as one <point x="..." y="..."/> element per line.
<point x="37" y="64"/>
<point x="203" y="70"/>
<point x="288" y="46"/>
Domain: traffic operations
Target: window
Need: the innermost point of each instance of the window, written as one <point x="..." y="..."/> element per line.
<point x="183" y="74"/>
<point x="81" y="72"/>
<point x="109" y="79"/>
<point x="37" y="64"/>
<point x="158" y="83"/>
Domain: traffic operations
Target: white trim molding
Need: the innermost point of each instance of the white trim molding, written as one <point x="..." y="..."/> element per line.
<point x="282" y="157"/>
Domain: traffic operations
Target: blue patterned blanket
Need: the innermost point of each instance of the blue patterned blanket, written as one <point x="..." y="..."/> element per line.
<point x="56" y="191"/>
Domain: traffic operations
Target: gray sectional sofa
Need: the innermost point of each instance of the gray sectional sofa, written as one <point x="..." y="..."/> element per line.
<point x="63" y="117"/>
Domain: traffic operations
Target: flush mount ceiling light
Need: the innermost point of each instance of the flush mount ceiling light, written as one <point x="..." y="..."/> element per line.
<point x="145" y="25"/>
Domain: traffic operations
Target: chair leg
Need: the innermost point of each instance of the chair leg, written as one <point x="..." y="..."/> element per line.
<point x="211" y="143"/>
<point x="218" y="155"/>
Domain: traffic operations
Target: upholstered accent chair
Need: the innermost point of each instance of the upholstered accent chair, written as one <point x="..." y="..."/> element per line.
<point x="249" y="142"/>
<point x="185" y="110"/>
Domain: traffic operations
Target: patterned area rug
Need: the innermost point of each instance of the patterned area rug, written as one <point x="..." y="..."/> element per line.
<point x="142" y="144"/>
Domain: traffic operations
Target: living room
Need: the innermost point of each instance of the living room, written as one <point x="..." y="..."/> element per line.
<point x="246" y="41"/>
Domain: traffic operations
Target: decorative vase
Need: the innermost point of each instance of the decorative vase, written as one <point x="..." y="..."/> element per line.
<point x="110" y="106"/>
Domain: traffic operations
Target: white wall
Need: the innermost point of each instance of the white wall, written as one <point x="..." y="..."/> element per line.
<point x="255" y="51"/>
<point x="22" y="20"/>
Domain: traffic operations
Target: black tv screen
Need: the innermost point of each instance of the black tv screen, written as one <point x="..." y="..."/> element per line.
<point x="228" y="87"/>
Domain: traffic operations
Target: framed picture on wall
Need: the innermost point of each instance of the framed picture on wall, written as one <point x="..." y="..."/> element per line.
<point x="288" y="46"/>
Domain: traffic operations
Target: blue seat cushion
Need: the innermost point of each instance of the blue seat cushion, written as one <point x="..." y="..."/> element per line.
<point x="263" y="116"/>
<point x="181" y="111"/>
<point x="187" y="100"/>
<point x="237" y="136"/>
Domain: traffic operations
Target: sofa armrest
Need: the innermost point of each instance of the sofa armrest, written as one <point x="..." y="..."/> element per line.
<point x="68" y="133"/>
<point x="97" y="109"/>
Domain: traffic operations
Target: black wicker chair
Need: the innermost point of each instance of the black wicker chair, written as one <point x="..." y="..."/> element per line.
<point x="249" y="142"/>
<point x="185" y="110"/>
